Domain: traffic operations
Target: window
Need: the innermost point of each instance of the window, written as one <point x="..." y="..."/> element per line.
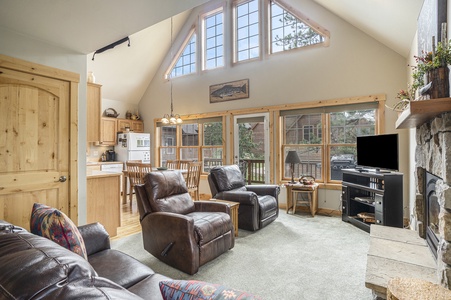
<point x="186" y="63"/>
<point x="167" y="145"/>
<point x="247" y="34"/>
<point x="214" y="41"/>
<point x="212" y="149"/>
<point x="190" y="142"/>
<point x="308" y="132"/>
<point x="290" y="32"/>
<point x="344" y="129"/>
<point x="285" y="28"/>
<point x="299" y="136"/>
<point x="325" y="157"/>
<point x="200" y="140"/>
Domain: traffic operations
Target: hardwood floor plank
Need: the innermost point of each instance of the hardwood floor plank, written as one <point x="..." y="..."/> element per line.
<point x="129" y="220"/>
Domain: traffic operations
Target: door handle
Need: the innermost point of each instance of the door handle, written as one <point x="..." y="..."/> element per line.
<point x="62" y="179"/>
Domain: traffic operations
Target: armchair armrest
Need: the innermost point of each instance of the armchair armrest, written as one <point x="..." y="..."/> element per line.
<point x="209" y="206"/>
<point x="95" y="236"/>
<point x="264" y="189"/>
<point x="243" y="197"/>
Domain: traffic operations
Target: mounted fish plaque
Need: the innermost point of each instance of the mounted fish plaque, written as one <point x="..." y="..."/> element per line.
<point x="229" y="91"/>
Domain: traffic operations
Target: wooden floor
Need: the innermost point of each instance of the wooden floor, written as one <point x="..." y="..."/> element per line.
<point x="129" y="220"/>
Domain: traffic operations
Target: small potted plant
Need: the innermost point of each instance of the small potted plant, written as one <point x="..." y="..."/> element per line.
<point x="431" y="74"/>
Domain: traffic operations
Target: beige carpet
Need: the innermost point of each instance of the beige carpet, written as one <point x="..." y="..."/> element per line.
<point x="295" y="257"/>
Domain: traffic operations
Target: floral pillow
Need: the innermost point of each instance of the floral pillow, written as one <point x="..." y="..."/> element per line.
<point x="192" y="289"/>
<point x="56" y="226"/>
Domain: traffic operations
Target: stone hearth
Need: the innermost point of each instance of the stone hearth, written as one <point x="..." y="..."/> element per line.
<point x="433" y="154"/>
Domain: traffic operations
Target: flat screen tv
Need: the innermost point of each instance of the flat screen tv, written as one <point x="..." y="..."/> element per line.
<point x="378" y="151"/>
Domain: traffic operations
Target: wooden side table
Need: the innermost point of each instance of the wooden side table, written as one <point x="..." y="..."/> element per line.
<point x="293" y="189"/>
<point x="234" y="210"/>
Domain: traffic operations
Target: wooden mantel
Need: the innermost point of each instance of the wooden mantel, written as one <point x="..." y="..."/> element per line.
<point x="422" y="111"/>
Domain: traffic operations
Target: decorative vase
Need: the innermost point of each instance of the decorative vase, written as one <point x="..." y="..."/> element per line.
<point x="91" y="77"/>
<point x="440" y="82"/>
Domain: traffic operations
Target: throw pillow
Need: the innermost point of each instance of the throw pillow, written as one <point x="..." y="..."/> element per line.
<point x="53" y="224"/>
<point x="192" y="289"/>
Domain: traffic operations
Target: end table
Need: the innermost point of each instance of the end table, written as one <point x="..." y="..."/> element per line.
<point x="293" y="189"/>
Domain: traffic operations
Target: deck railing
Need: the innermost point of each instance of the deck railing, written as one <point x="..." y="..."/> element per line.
<point x="253" y="169"/>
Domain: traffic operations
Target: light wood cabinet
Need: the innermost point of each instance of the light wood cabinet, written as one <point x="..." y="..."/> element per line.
<point x="93" y="105"/>
<point x="103" y="201"/>
<point x="138" y="126"/>
<point x="133" y="125"/>
<point x="108" y="131"/>
<point x="122" y="124"/>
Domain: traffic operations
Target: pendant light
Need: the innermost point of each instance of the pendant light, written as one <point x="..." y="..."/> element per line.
<point x="172" y="118"/>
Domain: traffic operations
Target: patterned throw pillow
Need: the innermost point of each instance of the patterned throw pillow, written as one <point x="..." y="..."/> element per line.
<point x="192" y="289"/>
<point x="56" y="226"/>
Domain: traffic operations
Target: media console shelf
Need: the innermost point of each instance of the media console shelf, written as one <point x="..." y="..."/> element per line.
<point x="372" y="198"/>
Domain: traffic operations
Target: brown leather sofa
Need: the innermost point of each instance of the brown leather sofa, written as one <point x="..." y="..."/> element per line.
<point x="182" y="233"/>
<point x="33" y="267"/>
<point x="259" y="204"/>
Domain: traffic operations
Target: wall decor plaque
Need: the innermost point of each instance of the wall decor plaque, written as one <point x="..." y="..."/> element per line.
<point x="229" y="91"/>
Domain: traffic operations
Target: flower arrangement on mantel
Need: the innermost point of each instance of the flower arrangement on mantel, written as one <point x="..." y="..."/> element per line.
<point x="430" y="75"/>
<point x="404" y="96"/>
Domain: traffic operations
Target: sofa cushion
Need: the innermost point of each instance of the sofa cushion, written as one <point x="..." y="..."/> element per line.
<point x="44" y="266"/>
<point x="192" y="289"/>
<point x="209" y="226"/>
<point x="126" y="272"/>
<point x="167" y="192"/>
<point x="91" y="288"/>
<point x="227" y="178"/>
<point x="56" y="226"/>
<point x="149" y="288"/>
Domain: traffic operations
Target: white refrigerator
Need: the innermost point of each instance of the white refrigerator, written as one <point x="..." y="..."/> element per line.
<point x="133" y="146"/>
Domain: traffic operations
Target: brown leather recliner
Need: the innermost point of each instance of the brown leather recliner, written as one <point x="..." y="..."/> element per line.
<point x="178" y="231"/>
<point x="259" y="204"/>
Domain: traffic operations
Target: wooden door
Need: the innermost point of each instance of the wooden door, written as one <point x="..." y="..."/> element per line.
<point x="34" y="144"/>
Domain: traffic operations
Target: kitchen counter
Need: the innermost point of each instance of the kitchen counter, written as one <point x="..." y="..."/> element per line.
<point x="103" y="191"/>
<point x="99" y="174"/>
<point x="99" y="163"/>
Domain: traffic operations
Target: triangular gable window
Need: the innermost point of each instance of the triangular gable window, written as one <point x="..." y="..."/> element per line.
<point x="290" y="32"/>
<point x="186" y="61"/>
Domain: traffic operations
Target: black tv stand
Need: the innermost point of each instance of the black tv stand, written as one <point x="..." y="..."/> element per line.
<point x="375" y="193"/>
<point x="377" y="170"/>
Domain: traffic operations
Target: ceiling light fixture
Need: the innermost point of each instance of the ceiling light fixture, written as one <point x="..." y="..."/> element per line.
<point x="172" y="118"/>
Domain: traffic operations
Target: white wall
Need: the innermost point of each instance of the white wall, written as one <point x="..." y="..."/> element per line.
<point x="353" y="65"/>
<point x="32" y="50"/>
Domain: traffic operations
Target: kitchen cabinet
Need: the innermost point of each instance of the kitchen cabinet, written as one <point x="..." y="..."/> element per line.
<point x="138" y="126"/>
<point x="108" y="131"/>
<point x="92" y="168"/>
<point x="93" y="104"/>
<point x="133" y="125"/>
<point x="122" y="124"/>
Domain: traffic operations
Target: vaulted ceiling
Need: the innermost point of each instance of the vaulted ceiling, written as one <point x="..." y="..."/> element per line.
<point x="83" y="26"/>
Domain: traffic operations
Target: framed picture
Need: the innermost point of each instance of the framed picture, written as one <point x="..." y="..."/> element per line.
<point x="229" y="91"/>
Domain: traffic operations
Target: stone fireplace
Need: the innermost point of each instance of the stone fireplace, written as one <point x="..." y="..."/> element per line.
<point x="433" y="202"/>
